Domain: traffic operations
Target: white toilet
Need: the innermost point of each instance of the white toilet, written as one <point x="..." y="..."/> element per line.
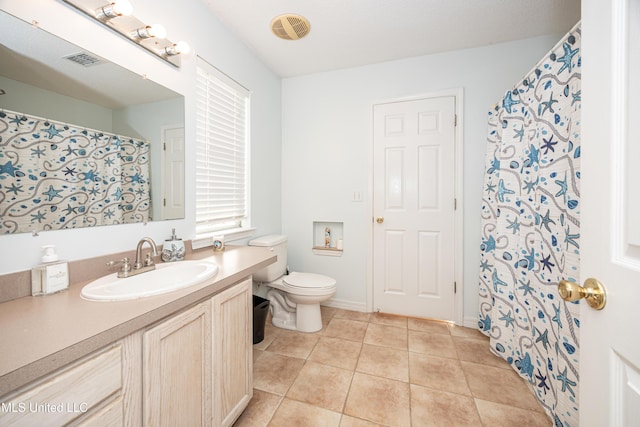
<point x="294" y="298"/>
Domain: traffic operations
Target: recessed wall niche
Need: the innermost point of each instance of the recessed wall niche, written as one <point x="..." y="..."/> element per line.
<point x="328" y="238"/>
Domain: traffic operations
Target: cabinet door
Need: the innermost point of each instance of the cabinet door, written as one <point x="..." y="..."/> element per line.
<point x="177" y="370"/>
<point x="233" y="352"/>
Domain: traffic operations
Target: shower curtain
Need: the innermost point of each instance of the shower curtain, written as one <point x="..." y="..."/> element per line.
<point x="531" y="229"/>
<point x="55" y="175"/>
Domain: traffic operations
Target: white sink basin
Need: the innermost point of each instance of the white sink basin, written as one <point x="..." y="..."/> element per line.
<point x="167" y="277"/>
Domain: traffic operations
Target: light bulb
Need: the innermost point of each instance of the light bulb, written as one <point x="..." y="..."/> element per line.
<point x="122" y="8"/>
<point x="157" y="30"/>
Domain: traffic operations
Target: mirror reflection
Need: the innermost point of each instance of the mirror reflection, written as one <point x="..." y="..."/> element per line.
<point x="84" y="142"/>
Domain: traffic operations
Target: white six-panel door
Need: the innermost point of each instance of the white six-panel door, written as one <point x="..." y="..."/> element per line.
<point x="610" y="253"/>
<point x="413" y="207"/>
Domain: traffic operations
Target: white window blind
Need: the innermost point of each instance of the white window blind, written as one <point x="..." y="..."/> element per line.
<point x="222" y="152"/>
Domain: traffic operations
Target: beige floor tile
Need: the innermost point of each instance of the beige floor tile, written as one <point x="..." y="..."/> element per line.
<point x="434" y="408"/>
<point x="384" y="362"/>
<point x="379" y="400"/>
<point x="275" y="373"/>
<point x="256" y="353"/>
<point x="499" y="415"/>
<point x="336" y="352"/>
<point x="438" y="372"/>
<point x="499" y="385"/>
<point x="429" y="326"/>
<point x="477" y="351"/>
<point x="348" y="421"/>
<point x="387" y="336"/>
<point x="321" y="385"/>
<point x="260" y="410"/>
<point x="352" y="330"/>
<point x="294" y="344"/>
<point x="433" y="344"/>
<point x="293" y="413"/>
<point x="353" y="315"/>
<point x="270" y="333"/>
<point x="462" y="331"/>
<point x="327" y="313"/>
<point x="388" y="319"/>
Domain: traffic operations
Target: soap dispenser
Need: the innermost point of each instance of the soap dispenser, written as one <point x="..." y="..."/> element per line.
<point x="173" y="248"/>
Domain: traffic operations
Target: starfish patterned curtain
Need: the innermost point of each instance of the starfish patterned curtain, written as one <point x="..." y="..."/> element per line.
<point x="55" y="176"/>
<point x="531" y="229"/>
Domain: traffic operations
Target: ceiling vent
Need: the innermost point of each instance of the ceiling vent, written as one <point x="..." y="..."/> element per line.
<point x="290" y="26"/>
<point x="84" y="59"/>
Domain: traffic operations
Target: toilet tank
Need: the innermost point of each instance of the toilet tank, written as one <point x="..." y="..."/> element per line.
<point x="278" y="245"/>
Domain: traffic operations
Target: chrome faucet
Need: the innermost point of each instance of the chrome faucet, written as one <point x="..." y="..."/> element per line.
<point x="128" y="270"/>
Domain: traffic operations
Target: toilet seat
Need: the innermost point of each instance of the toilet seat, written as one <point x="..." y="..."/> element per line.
<point x="306" y="284"/>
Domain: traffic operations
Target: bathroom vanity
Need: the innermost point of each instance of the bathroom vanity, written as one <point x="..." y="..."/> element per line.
<point x="183" y="358"/>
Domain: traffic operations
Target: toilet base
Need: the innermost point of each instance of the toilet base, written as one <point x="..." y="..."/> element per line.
<point x="297" y="317"/>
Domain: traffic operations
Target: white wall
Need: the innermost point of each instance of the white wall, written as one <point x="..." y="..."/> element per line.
<point x="327" y="141"/>
<point x="187" y="20"/>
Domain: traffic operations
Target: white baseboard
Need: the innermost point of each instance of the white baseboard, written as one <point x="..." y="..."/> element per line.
<point x="346" y="305"/>
<point x="470" y="322"/>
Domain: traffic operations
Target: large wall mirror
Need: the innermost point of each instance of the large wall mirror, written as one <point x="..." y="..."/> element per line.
<point x="83" y="142"/>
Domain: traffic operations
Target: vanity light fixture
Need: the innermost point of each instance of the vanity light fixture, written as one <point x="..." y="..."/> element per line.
<point x="115" y="9"/>
<point x="117" y="15"/>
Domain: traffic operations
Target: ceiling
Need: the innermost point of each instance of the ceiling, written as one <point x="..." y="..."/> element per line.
<point x="351" y="33"/>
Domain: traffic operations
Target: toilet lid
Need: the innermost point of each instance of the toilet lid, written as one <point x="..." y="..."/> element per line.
<point x="308" y="280"/>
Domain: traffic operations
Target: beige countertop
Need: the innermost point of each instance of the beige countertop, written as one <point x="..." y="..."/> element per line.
<point x="41" y="334"/>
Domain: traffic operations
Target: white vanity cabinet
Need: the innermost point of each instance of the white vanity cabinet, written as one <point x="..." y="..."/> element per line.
<point x="193" y="368"/>
<point x="100" y="389"/>
<point x="198" y="363"/>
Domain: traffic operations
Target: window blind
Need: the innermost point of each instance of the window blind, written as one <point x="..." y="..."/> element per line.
<point x="221" y="151"/>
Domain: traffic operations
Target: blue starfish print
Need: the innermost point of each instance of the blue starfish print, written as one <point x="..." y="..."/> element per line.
<point x="548" y="144"/>
<point x="530" y="259"/>
<point x="109" y="162"/>
<point x="95" y="137"/>
<point x="70" y="210"/>
<point x="508" y="102"/>
<point x="546" y="220"/>
<point x="543" y="338"/>
<point x="118" y="193"/>
<point x="526" y="287"/>
<point x="520" y="133"/>
<point x="15" y="189"/>
<point x="8" y="168"/>
<point x="515" y="225"/>
<point x="525" y="366"/>
<point x="569" y="239"/>
<point x="51" y="193"/>
<point x="489" y="244"/>
<point x="91" y="176"/>
<point x="567" y="58"/>
<point x="484" y="265"/>
<point x="137" y="179"/>
<point x="52" y="131"/>
<point x="507" y="318"/>
<point x="533" y="155"/>
<point x="563" y="187"/>
<point x="37" y="152"/>
<point x="546" y="263"/>
<point x="502" y="190"/>
<point x="576" y="97"/>
<point x="495" y="165"/>
<point x="109" y="213"/>
<point x="497" y="281"/>
<point x="547" y="105"/>
<point x="566" y="382"/>
<point x="38" y="217"/>
<point x="17" y="120"/>
<point x="69" y="171"/>
<point x="543" y="381"/>
<point x="556" y="318"/>
<point x="490" y="188"/>
<point x="530" y="186"/>
<point x="94" y="191"/>
<point x="71" y="151"/>
<point x="140" y="192"/>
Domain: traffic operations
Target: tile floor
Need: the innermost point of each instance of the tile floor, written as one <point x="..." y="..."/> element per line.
<point x="366" y="369"/>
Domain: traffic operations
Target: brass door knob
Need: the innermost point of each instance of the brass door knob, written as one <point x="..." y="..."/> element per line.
<point x="380" y="220"/>
<point x="592" y="291"/>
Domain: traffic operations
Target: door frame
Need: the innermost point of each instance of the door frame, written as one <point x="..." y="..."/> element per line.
<point x="457" y="94"/>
